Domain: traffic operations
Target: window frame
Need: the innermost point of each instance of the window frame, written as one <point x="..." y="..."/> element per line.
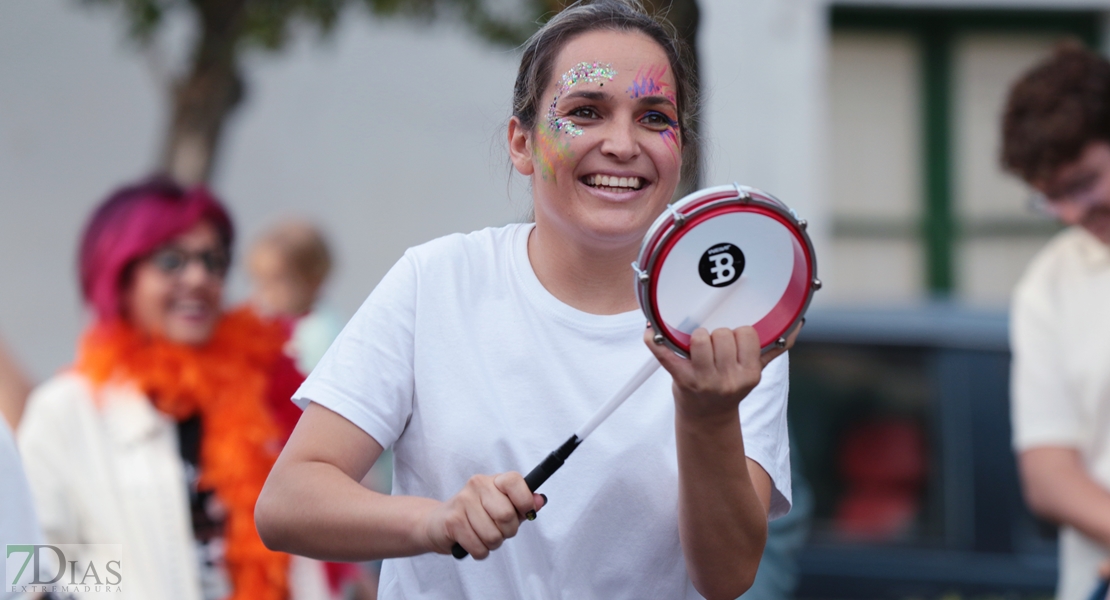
<point x="935" y="32"/>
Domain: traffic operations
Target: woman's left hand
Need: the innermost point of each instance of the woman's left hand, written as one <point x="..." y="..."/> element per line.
<point x="723" y="368"/>
<point x="724" y="496"/>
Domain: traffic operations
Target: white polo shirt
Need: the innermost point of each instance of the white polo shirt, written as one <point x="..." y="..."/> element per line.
<point x="1060" y="382"/>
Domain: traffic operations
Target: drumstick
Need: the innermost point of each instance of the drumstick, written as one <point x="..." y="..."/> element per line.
<point x="547" y="468"/>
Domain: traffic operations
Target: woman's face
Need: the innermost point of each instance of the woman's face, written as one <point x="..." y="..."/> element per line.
<point x="606" y="154"/>
<point x="176" y="291"/>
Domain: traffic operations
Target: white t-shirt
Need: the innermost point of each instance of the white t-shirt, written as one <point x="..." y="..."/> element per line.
<point x="1060" y="383"/>
<point x="464" y="363"/>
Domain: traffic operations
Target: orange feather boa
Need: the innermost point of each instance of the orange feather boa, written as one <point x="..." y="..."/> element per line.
<point x="225" y="382"/>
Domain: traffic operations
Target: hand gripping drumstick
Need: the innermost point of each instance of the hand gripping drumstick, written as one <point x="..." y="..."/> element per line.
<point x="547" y="468"/>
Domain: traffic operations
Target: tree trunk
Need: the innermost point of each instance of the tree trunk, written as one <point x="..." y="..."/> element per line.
<point x="205" y="96"/>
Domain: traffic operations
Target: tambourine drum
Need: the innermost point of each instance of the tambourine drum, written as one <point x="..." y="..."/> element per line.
<point x="726" y="256"/>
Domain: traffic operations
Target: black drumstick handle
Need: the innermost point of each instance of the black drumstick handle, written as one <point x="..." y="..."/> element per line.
<point x="547" y="468"/>
<point x="537" y="476"/>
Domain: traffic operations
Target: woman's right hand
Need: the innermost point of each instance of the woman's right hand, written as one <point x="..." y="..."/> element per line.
<point x="485" y="513"/>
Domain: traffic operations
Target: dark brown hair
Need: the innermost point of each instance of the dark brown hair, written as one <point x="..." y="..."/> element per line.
<point x="583" y="17"/>
<point x="1055" y="110"/>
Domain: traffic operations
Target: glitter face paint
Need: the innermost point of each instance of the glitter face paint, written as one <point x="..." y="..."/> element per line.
<point x="620" y="137"/>
<point x="548" y="150"/>
<point x="581" y="73"/>
<point x="670" y="136"/>
<point x="649" y="82"/>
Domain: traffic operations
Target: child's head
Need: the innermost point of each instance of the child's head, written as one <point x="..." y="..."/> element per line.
<point x="288" y="264"/>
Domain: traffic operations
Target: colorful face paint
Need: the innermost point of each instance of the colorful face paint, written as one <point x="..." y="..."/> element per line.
<point x="582" y="72"/>
<point x="548" y="150"/>
<point x="649" y="82"/>
<point x="671" y="137"/>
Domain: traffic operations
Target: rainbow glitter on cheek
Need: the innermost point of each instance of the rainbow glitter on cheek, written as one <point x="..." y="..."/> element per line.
<point x="549" y="150"/>
<point x="581" y="73"/>
<point x="649" y="82"/>
<point x="670" y="137"/>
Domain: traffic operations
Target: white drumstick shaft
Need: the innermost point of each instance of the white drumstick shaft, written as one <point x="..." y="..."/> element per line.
<point x="701" y="316"/>
<point x="607" y="409"/>
<point x="689" y="324"/>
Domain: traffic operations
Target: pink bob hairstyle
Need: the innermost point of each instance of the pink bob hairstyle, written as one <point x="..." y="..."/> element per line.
<point x="132" y="222"/>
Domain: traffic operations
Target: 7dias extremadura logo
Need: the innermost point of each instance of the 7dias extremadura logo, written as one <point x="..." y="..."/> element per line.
<point x="63" y="568"/>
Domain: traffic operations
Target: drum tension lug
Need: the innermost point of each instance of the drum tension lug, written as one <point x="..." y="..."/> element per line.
<point x="780" y="343"/>
<point x="640" y="274"/>
<point x="658" y="339"/>
<point x="802" y="223"/>
<point x="679" y="218"/>
<point x="816" y="284"/>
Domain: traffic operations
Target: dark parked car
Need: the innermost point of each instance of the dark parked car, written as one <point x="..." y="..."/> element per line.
<point x="902" y="423"/>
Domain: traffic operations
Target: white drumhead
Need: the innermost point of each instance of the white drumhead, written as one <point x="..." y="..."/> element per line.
<point x="753" y="283"/>
<point x="728" y="256"/>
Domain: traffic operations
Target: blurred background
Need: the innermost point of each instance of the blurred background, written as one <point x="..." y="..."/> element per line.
<point x="384" y="122"/>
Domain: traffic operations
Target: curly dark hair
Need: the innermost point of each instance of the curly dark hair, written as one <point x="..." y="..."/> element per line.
<point x="1055" y="110"/>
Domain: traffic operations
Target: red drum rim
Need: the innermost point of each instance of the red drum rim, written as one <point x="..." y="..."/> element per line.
<point x="698" y="207"/>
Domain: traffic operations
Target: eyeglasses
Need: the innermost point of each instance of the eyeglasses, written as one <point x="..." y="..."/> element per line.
<point x="1046" y="206"/>
<point x="1083" y="193"/>
<point x="174" y="261"/>
<point x="1040" y="205"/>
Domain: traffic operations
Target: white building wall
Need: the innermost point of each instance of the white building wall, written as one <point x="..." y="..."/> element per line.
<point x="764" y="79"/>
<point x="388" y="135"/>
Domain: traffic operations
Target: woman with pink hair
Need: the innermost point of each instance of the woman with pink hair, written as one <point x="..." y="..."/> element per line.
<point x="160" y="437"/>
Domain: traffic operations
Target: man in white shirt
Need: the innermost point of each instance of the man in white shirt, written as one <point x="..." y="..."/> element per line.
<point x="1056" y="136"/>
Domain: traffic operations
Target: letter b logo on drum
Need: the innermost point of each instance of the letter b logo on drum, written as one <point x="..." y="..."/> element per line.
<point x="721" y="265"/>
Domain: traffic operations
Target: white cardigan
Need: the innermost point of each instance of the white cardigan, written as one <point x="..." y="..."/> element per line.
<point x="110" y="472"/>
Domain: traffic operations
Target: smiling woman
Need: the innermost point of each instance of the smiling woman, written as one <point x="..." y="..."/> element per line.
<point x="160" y="436"/>
<point x="617" y="167"/>
<point x="476" y="353"/>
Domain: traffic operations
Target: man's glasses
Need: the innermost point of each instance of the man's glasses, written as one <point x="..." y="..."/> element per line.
<point x="1040" y="205"/>
<point x="173" y="261"/>
<point x="1083" y="193"/>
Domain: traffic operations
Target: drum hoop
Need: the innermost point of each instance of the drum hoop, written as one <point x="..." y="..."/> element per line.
<point x="665" y="221"/>
<point x="695" y="209"/>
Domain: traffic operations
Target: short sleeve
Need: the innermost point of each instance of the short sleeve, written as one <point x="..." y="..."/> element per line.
<point x="366" y="376"/>
<point x="766" y="436"/>
<point x="1042" y="410"/>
